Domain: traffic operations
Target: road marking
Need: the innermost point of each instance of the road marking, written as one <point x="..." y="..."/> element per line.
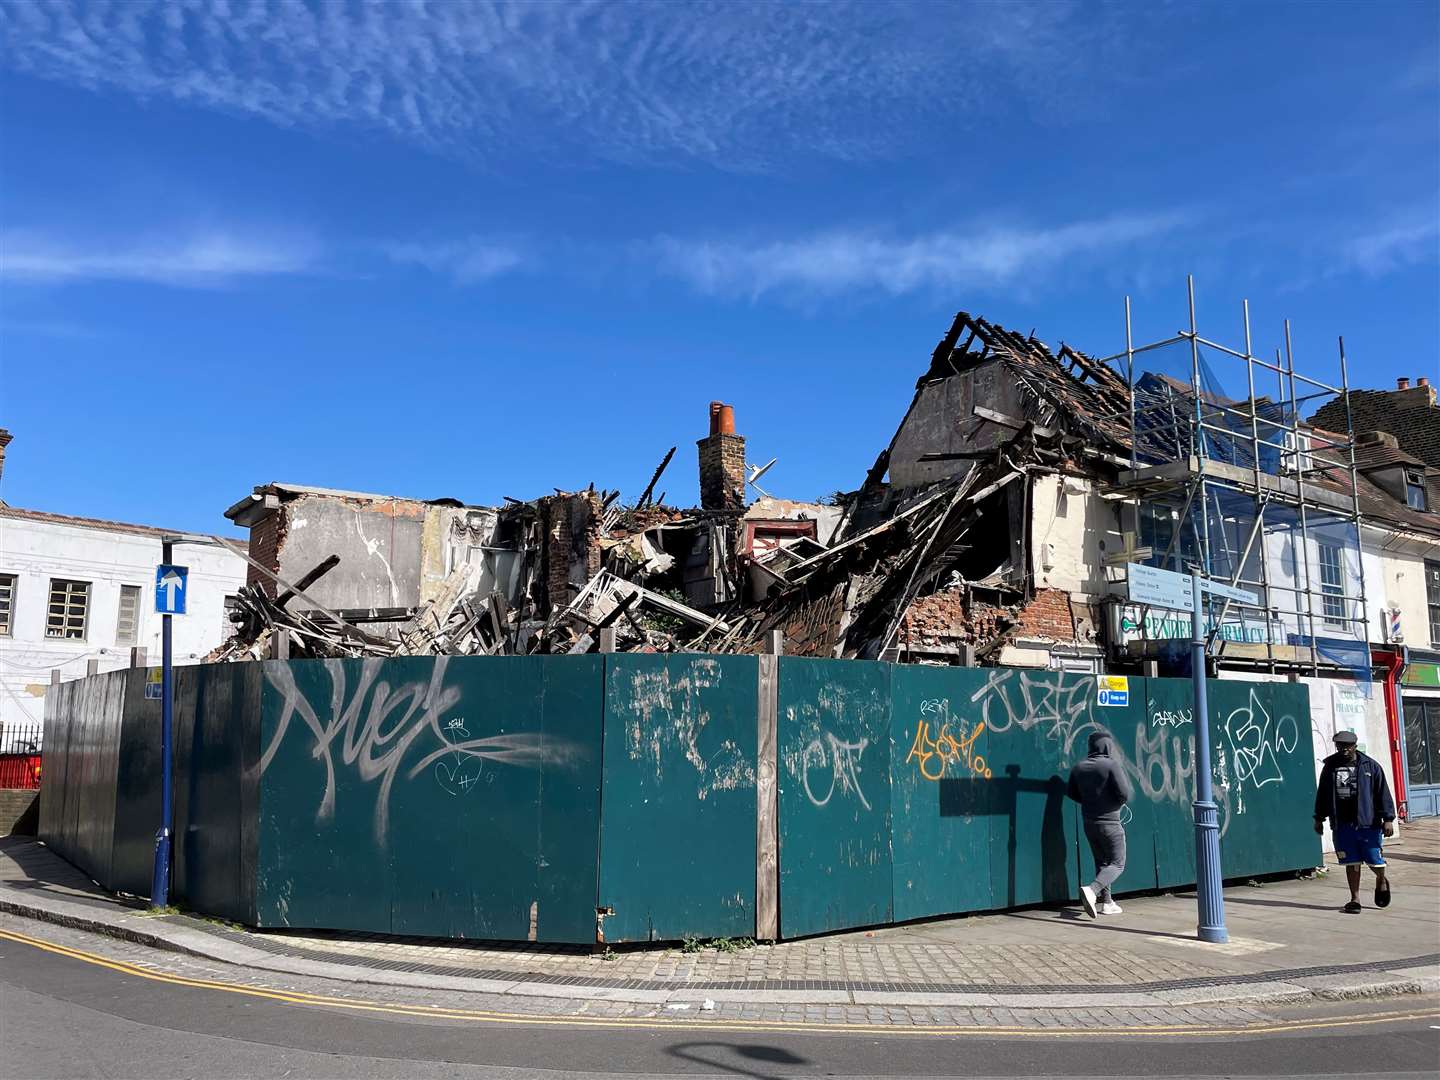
<point x="434" y="1012"/>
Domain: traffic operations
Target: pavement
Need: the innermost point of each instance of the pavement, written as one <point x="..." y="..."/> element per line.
<point x="1290" y="945"/>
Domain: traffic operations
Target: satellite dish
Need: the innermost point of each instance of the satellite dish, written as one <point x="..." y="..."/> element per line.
<point x="757" y="471"/>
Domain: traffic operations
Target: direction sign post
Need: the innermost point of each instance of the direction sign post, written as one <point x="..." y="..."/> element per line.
<point x="1185" y="592"/>
<point x="170" y="586"/>
<point x="1209" y="891"/>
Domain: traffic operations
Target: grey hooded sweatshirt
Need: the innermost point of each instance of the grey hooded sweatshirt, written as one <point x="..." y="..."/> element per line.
<point x="1099" y="783"/>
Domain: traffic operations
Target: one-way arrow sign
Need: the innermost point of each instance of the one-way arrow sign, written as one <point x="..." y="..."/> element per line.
<point x="170" y="589"/>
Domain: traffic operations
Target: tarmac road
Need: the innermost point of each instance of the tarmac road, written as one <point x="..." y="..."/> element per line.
<point x="68" y="1012"/>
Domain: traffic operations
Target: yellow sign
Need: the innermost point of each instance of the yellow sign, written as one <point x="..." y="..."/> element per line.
<point x="1114" y="682"/>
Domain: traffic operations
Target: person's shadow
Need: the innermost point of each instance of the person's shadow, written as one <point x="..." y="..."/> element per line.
<point x="999" y="797"/>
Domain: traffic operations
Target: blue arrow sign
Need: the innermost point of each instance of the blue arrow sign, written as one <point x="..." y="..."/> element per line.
<point x="170" y="589"/>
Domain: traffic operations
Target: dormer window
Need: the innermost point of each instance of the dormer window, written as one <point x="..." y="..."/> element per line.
<point x="1415" y="490"/>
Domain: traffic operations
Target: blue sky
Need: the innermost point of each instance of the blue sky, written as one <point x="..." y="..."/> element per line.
<point x="492" y="249"/>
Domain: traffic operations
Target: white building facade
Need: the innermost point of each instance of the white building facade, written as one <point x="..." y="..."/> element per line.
<point x="76" y="590"/>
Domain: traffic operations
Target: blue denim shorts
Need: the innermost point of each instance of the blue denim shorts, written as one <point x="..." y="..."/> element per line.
<point x="1356" y="845"/>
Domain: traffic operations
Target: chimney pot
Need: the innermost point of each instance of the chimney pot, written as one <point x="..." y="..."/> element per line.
<point x="1402" y="383"/>
<point x="715" y="407"/>
<point x="1422" y="381"/>
<point x="727" y="420"/>
<point x="5" y="438"/>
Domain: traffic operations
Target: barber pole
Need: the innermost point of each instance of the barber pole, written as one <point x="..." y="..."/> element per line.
<point x="1392" y="622"/>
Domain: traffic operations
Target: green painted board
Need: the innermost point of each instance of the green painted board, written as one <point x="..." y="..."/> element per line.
<point x="1162" y="768"/>
<point x="570" y="784"/>
<point x="1261" y="735"/>
<point x="677" y="838"/>
<point x="405" y="795"/>
<point x="323" y="836"/>
<point x="833" y="743"/>
<point x="1034" y="727"/>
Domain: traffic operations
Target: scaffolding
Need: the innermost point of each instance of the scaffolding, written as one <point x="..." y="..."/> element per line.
<point x="1229" y="481"/>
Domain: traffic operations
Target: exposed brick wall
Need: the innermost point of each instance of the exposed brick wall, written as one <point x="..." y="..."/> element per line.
<point x="572" y="544"/>
<point x="1048" y="616"/>
<point x="944" y="618"/>
<point x="19" y="811"/>
<point x="722" y="472"/>
<point x="266" y="539"/>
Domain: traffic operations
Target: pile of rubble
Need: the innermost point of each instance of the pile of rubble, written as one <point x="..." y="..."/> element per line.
<point x="929" y="563"/>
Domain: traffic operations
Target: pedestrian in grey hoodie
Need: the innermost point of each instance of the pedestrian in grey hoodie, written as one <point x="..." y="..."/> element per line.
<point x="1100" y="786"/>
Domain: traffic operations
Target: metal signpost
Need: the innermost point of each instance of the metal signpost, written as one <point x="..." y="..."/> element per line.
<point x="170" y="586"/>
<point x="1184" y="592"/>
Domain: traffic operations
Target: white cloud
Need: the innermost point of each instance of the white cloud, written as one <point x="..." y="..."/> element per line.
<point x="858" y="260"/>
<point x="739" y="84"/>
<point x="1396" y="246"/>
<point x="466" y="261"/>
<point x="203" y="260"/>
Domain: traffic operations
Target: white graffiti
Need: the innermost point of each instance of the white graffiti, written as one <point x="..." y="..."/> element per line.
<point x="1024" y="700"/>
<point x="375" y="725"/>
<point x="843" y="762"/>
<point x="458" y="773"/>
<point x="1255" y="743"/>
<point x="1169" y="717"/>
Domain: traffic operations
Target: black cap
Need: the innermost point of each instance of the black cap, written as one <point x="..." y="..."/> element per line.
<point x="1346" y="738"/>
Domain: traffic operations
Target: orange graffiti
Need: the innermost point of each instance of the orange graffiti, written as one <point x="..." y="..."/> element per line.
<point x="936" y="756"/>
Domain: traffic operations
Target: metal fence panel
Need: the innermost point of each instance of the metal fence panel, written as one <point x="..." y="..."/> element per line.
<point x="677" y="836"/>
<point x="834" y="795"/>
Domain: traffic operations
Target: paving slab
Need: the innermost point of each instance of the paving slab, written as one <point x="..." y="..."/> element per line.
<point x="1286" y="939"/>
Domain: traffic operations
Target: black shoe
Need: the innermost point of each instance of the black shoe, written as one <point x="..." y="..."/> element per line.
<point x="1382" y="894"/>
<point x="1352" y="908"/>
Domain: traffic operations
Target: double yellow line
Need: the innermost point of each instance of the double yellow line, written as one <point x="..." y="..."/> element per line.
<point x="436" y="1012"/>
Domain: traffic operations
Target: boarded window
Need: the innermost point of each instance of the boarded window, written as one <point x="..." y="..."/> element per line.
<point x="69" y="606"/>
<point x="127" y="624"/>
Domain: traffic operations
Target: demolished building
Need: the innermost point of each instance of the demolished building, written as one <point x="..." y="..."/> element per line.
<point x="337" y="573"/>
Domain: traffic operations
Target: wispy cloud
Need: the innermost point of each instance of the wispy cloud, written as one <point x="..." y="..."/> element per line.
<point x="203" y="260"/>
<point x="466" y="261"/>
<point x="857" y="260"/>
<point x="733" y="83"/>
<point x="1395" y="246"/>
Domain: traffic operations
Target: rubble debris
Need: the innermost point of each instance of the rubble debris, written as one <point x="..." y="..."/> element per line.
<point x="929" y="560"/>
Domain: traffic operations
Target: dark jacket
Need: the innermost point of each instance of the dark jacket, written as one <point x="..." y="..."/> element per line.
<point x="1373" y="804"/>
<point x="1099" y="783"/>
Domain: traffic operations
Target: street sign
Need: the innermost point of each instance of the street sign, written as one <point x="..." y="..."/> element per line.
<point x="170" y="589"/>
<point x="1161" y="588"/>
<point x="1219" y="588"/>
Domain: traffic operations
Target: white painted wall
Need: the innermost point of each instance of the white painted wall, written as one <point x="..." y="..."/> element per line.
<point x="1401" y="573"/>
<point x="1071" y="530"/>
<point x="37" y="551"/>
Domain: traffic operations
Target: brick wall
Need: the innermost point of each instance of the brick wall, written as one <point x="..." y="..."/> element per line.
<point x="267" y="537"/>
<point x="572" y="544"/>
<point x="944" y="618"/>
<point x="19" y="811"/>
<point x="722" y="472"/>
<point x="1048" y="616"/>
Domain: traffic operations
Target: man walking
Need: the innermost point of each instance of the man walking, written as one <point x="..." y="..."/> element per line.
<point x="1100" y="786"/>
<point x="1353" y="794"/>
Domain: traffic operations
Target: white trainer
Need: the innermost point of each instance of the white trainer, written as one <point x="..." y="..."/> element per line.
<point x="1109" y="907"/>
<point x="1087" y="897"/>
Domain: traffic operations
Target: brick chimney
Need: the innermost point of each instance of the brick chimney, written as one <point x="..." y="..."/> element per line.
<point x="1402" y="383"/>
<point x="722" y="462"/>
<point x="5" y="438"/>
